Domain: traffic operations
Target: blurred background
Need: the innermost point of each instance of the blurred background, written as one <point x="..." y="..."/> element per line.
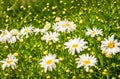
<point x="18" y="13"/>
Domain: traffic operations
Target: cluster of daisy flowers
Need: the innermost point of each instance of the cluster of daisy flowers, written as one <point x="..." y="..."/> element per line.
<point x="74" y="45"/>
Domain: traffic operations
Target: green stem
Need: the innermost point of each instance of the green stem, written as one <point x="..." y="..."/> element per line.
<point x="14" y="73"/>
<point x="14" y="4"/>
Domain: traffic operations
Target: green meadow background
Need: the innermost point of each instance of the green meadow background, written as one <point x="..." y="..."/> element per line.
<point x="103" y="14"/>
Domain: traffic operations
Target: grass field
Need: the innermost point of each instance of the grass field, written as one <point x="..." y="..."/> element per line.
<point x="59" y="39"/>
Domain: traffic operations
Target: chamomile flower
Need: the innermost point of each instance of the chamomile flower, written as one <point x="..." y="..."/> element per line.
<point x="64" y="26"/>
<point x="12" y="40"/>
<point x="45" y="28"/>
<point x="57" y="19"/>
<point x="25" y="31"/>
<point x="5" y="35"/>
<point x="15" y="36"/>
<point x="15" y="33"/>
<point x="37" y="30"/>
<point x="75" y="44"/>
<point x="51" y="36"/>
<point x="94" y="32"/>
<point x="49" y="62"/>
<point x="9" y="61"/>
<point x="87" y="61"/>
<point x="110" y="45"/>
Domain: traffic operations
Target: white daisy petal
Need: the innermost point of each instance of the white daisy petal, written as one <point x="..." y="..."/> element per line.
<point x="75" y="44"/>
<point x="87" y="61"/>
<point x="25" y="31"/>
<point x="51" y="36"/>
<point x="5" y="36"/>
<point x="94" y="32"/>
<point x="10" y="61"/>
<point x="48" y="62"/>
<point x="110" y="45"/>
<point x="64" y="26"/>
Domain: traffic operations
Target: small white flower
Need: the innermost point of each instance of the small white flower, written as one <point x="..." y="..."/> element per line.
<point x="87" y="61"/>
<point x="37" y="30"/>
<point x="64" y="26"/>
<point x="45" y="28"/>
<point x="5" y="36"/>
<point x="75" y="44"/>
<point x="15" y="35"/>
<point x="9" y="61"/>
<point x="25" y="31"/>
<point x="12" y="39"/>
<point x="48" y="62"/>
<point x="57" y="19"/>
<point x="110" y="45"/>
<point x="94" y="32"/>
<point x="51" y="36"/>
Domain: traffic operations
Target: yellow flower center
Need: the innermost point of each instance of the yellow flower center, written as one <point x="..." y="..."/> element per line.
<point x="93" y="32"/>
<point x="111" y="45"/>
<point x="67" y="24"/>
<point x="51" y="37"/>
<point x="87" y="62"/>
<point x="14" y="34"/>
<point x="49" y="62"/>
<point x="9" y="61"/>
<point x="26" y="31"/>
<point x="47" y="27"/>
<point x="4" y="34"/>
<point x="74" y="45"/>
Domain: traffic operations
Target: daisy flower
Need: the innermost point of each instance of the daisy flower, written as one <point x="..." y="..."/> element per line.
<point x="64" y="26"/>
<point x="37" y="30"/>
<point x="75" y="44"/>
<point x="45" y="28"/>
<point x="57" y="19"/>
<point x="51" y="36"/>
<point x="94" y="32"/>
<point x="5" y="36"/>
<point x="110" y="45"/>
<point x="87" y="61"/>
<point x="9" y="61"/>
<point x="15" y="36"/>
<point x="25" y="31"/>
<point x="48" y="62"/>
